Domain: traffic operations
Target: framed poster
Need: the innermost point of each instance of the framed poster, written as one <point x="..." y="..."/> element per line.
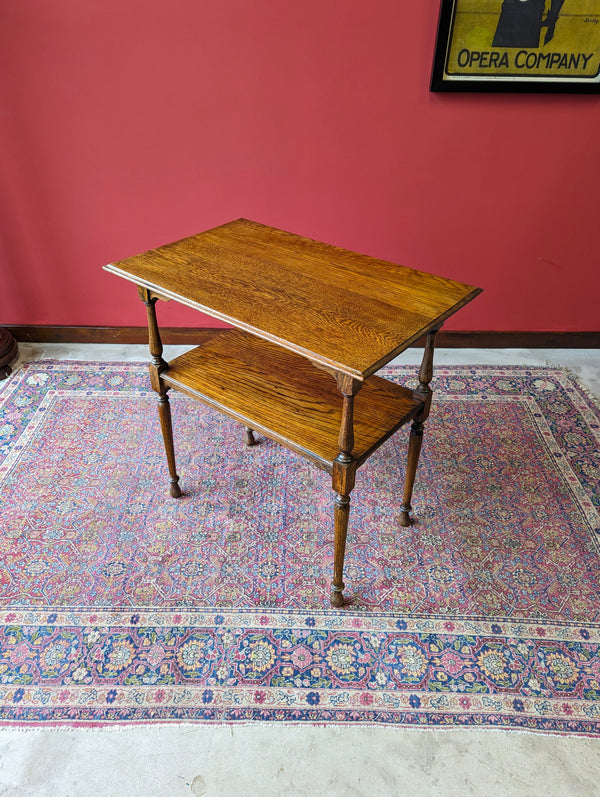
<point x="518" y="45"/>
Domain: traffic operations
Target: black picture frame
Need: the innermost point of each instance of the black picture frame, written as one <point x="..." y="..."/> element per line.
<point x="504" y="68"/>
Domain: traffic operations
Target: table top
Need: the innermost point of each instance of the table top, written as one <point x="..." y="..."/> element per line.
<point x="340" y="309"/>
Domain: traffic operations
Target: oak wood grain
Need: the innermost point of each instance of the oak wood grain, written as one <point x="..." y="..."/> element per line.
<point x="284" y="396"/>
<point x="344" y="310"/>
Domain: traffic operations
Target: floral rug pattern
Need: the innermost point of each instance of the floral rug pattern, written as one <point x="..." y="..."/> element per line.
<point x="119" y="604"/>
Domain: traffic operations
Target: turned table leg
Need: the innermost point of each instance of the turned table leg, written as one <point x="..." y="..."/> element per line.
<point x="341" y="514"/>
<point x="424" y="394"/>
<point x="343" y="477"/>
<point x="158" y="366"/>
<point x="166" y="426"/>
<point x="414" y="449"/>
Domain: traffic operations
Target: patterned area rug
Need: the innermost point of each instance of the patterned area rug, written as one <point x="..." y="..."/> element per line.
<point x="120" y="604"/>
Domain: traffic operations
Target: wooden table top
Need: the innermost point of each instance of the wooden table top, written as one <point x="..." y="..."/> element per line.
<point x="345" y="311"/>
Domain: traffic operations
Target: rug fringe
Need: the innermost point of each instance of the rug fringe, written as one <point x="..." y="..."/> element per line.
<point x="360" y="727"/>
<point x="594" y="400"/>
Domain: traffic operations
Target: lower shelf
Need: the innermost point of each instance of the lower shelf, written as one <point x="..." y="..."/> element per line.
<point x="286" y="397"/>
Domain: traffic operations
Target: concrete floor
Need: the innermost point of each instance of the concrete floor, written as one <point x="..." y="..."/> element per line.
<point x="291" y="760"/>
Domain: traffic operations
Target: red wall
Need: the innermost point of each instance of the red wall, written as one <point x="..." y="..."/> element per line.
<point x="125" y="124"/>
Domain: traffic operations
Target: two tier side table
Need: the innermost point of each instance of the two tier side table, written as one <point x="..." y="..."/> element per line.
<point x="311" y="325"/>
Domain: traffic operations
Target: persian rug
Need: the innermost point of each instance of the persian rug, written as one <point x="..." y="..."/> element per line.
<point x="119" y="604"/>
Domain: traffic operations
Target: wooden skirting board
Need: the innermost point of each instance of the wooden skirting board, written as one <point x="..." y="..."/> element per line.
<point x="194" y="337"/>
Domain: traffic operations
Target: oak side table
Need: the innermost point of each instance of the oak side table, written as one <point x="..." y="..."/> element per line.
<point x="311" y="325"/>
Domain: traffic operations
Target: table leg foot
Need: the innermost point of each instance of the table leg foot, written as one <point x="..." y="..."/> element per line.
<point x="404" y="518"/>
<point x="337" y="598"/>
<point x="175" y="489"/>
<point x="250" y="439"/>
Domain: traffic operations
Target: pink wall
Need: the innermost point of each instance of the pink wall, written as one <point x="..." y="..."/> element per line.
<point x="125" y="124"/>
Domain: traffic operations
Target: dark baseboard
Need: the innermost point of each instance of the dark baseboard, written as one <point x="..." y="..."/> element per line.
<point x="68" y="334"/>
<point x="518" y="340"/>
<point x="187" y="335"/>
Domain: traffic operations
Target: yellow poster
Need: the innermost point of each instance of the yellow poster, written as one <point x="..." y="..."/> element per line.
<point x="545" y="41"/>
